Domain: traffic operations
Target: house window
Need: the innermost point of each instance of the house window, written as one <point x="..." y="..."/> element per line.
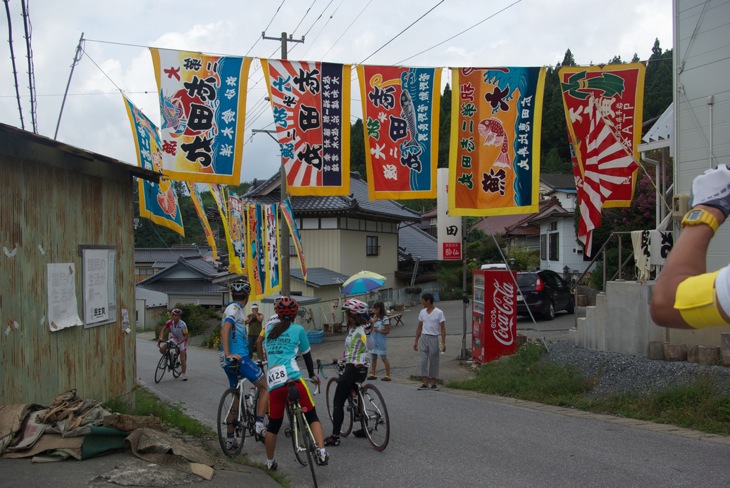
<point x="543" y="247"/>
<point x="554" y="244"/>
<point x="371" y="246"/>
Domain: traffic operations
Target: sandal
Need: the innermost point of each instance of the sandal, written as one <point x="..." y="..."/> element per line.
<point x="332" y="441"/>
<point x="372" y="377"/>
<point x="385" y="378"/>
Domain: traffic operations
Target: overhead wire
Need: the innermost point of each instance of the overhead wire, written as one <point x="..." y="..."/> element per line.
<point x="462" y="32"/>
<point x="31" y="72"/>
<point x="267" y="26"/>
<point x="401" y="32"/>
<point x="12" y="60"/>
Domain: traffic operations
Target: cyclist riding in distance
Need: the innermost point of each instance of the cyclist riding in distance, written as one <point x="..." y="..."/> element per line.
<point x="357" y="359"/>
<point x="283" y="340"/>
<point x="234" y="344"/>
<point x="179" y="334"/>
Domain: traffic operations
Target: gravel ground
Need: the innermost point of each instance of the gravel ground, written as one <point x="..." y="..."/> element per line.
<point x="619" y="373"/>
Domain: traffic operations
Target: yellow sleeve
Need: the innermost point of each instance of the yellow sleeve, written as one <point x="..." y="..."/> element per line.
<point x="696" y="301"/>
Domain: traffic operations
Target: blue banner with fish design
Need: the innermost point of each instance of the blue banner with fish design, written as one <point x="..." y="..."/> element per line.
<point x="157" y="202"/>
<point x="401" y="124"/>
<point x="494" y="157"/>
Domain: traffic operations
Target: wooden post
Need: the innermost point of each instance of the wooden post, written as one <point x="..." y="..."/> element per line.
<point x="725" y="349"/>
<point x="675" y="352"/>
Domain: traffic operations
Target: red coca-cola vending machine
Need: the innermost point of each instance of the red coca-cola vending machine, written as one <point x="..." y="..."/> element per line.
<point x="494" y="315"/>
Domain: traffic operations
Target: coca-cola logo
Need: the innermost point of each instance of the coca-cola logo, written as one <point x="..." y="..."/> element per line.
<point x="503" y="313"/>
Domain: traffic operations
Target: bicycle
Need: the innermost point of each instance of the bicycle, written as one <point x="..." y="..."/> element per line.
<point x="237" y="412"/>
<point x="364" y="404"/>
<point x="170" y="360"/>
<point x="302" y="438"/>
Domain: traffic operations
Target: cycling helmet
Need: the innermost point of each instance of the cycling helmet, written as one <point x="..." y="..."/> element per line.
<point x="176" y="311"/>
<point x="286" y="308"/>
<point x="355" y="306"/>
<point x="240" y="287"/>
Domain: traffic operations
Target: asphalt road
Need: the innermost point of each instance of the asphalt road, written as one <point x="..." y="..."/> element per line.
<point x="455" y="438"/>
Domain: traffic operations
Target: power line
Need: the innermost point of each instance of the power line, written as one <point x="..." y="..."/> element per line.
<point x="267" y="27"/>
<point x="303" y="17"/>
<point x="348" y="28"/>
<point x="31" y="72"/>
<point x="12" y="60"/>
<point x="462" y="32"/>
<point x="401" y="32"/>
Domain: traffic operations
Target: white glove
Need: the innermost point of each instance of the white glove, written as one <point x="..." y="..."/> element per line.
<point x="712" y="188"/>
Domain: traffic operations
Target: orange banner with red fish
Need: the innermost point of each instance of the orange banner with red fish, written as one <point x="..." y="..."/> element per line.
<point x="494" y="161"/>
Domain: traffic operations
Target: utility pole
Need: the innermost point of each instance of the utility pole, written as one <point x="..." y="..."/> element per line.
<point x="285" y="273"/>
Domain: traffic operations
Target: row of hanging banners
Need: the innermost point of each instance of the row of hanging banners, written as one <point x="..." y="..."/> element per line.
<point x="494" y="160"/>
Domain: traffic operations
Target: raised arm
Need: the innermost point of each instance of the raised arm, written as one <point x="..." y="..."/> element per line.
<point x="685" y="294"/>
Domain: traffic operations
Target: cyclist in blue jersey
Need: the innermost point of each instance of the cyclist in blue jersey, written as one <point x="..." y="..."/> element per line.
<point x="234" y="345"/>
<point x="357" y="359"/>
<point x="283" y="340"/>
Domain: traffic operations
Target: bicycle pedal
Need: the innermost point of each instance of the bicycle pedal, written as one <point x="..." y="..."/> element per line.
<point x="287" y="433"/>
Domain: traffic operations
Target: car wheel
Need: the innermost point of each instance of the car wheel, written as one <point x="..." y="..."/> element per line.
<point x="571" y="306"/>
<point x="549" y="311"/>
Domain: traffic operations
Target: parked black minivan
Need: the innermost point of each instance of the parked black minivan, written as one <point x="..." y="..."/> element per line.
<point x="545" y="292"/>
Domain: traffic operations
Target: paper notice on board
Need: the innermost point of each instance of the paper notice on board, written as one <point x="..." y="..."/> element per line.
<point x="62" y="304"/>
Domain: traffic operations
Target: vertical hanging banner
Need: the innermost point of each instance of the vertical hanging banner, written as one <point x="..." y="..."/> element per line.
<point x="604" y="112"/>
<point x="202" y="109"/>
<point x="494" y="156"/>
<point x="237" y="222"/>
<point x="273" y="262"/>
<point x="449" y="230"/>
<point x="256" y="252"/>
<point x="288" y="215"/>
<point x="311" y="104"/>
<point x="200" y="211"/>
<point x="401" y="112"/>
<point x="157" y="202"/>
<point x="220" y="202"/>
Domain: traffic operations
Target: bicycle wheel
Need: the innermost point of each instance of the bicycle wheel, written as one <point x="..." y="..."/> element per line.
<point x="346" y="427"/>
<point x="160" y="371"/>
<point x="309" y="445"/>
<point x="297" y="438"/>
<point x="375" y="420"/>
<point x="229" y="418"/>
<point x="177" y="369"/>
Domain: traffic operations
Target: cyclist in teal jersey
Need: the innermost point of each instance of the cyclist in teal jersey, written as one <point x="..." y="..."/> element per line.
<point x="282" y="342"/>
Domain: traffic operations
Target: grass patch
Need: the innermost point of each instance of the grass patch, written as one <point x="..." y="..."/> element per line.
<point x="695" y="406"/>
<point x="171" y="416"/>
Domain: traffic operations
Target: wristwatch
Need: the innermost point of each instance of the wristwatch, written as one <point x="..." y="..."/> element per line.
<point x="698" y="216"/>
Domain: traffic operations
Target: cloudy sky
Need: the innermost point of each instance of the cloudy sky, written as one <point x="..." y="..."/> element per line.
<point x="441" y="33"/>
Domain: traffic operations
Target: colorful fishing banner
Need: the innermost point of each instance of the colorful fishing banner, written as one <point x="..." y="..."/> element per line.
<point x="237" y="222"/>
<point x="202" y="109"/>
<point x="604" y="111"/>
<point x="311" y="104"/>
<point x="221" y="202"/>
<point x="494" y="161"/>
<point x="200" y="211"/>
<point x="157" y="202"/>
<point x="256" y="252"/>
<point x="288" y="215"/>
<point x="273" y="261"/>
<point x="401" y="123"/>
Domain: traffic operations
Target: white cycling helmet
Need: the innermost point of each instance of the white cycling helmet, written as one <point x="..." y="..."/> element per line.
<point x="355" y="306"/>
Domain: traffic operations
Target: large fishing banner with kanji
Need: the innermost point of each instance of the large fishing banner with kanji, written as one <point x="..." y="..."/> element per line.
<point x="401" y="113"/>
<point x="287" y="213"/>
<point x="273" y="262"/>
<point x="200" y="211"/>
<point x="157" y="202"/>
<point x="202" y="109"/>
<point x="494" y="161"/>
<point x="311" y="104"/>
<point x="604" y="113"/>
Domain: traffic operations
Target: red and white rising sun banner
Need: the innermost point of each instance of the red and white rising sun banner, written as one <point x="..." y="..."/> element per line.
<point x="603" y="110"/>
